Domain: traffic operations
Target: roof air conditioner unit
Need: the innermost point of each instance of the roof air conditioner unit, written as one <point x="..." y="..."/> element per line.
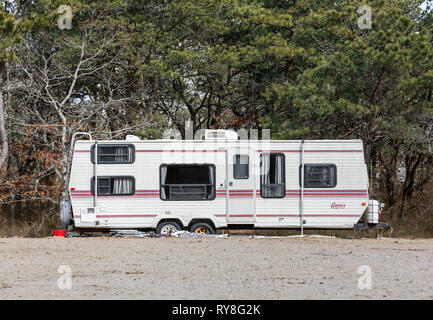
<point x="219" y="134"/>
<point x="131" y="137"/>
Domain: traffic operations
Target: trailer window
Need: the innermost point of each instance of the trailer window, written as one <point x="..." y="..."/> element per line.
<point x="114" y="153"/>
<point x="187" y="182"/>
<point x="240" y="166"/>
<point x="114" y="186"/>
<point x="319" y="175"/>
<point x="272" y="175"/>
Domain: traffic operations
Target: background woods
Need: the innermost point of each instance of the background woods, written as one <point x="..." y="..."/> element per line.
<point x="302" y="68"/>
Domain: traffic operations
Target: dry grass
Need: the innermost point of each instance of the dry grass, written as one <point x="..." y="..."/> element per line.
<point x="41" y="221"/>
<point x="418" y="225"/>
<point x="36" y="227"/>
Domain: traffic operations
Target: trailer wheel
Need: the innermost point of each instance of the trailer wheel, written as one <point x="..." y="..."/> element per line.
<point x="202" y="227"/>
<point x="167" y="227"/>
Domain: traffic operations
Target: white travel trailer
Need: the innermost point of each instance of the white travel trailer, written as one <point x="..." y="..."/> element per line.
<point x="203" y="185"/>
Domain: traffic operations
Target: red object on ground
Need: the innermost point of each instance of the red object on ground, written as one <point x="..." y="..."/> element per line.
<point x="59" y="233"/>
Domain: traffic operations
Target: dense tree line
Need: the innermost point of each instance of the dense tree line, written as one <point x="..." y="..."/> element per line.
<point x="303" y="68"/>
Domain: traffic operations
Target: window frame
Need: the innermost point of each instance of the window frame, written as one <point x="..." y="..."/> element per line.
<point x="129" y="145"/>
<point x="189" y="165"/>
<point x="248" y="166"/>
<point x="284" y="175"/>
<point x="319" y="165"/>
<point x="92" y="186"/>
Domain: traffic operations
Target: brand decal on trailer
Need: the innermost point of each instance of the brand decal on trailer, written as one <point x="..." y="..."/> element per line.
<point x="338" y="205"/>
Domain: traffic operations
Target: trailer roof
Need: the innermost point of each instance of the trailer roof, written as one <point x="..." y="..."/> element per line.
<point x="221" y="141"/>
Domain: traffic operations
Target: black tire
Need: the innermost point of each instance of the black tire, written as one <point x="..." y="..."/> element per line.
<point x="203" y="226"/>
<point x="166" y="225"/>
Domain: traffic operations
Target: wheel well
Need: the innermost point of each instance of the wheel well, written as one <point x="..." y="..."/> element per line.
<point x="194" y="221"/>
<point x="172" y="220"/>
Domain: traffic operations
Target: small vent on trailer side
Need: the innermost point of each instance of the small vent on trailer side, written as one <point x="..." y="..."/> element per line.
<point x="88" y="214"/>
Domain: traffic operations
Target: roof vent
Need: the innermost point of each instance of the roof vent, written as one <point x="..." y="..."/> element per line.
<point x="219" y="134"/>
<point x="131" y="137"/>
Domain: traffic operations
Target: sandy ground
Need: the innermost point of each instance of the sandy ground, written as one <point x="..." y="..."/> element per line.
<point x="230" y="268"/>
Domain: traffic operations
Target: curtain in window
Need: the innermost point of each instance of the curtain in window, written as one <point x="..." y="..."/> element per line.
<point x="265" y="174"/>
<point x="118" y="157"/>
<point x="114" y="154"/>
<point x="279" y="169"/>
<point x="122" y="154"/>
<point x="210" y="188"/>
<point x="272" y="175"/>
<point x="163" y="172"/>
<point x="266" y="159"/>
<point x="211" y="174"/>
<point x="122" y="186"/>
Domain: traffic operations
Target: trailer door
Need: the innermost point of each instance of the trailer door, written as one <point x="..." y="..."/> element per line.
<point x="240" y="186"/>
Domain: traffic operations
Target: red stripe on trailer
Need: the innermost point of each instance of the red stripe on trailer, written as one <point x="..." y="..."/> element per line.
<point x="180" y="150"/>
<point x="307" y="215"/>
<point x="334" y="151"/>
<point x="115" y="196"/>
<point x="314" y="151"/>
<point x="240" y="215"/>
<point x="126" y="216"/>
<point x="123" y="216"/>
<point x="336" y="195"/>
<point x="231" y="215"/>
<point x="149" y="192"/>
<point x="325" y="191"/>
<point x="261" y="151"/>
<point x="317" y="190"/>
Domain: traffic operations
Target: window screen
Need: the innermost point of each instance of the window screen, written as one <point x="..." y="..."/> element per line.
<point x="319" y="175"/>
<point x="187" y="182"/>
<point x="240" y="166"/>
<point x="114" y="153"/>
<point x="272" y="175"/>
<point x="114" y="186"/>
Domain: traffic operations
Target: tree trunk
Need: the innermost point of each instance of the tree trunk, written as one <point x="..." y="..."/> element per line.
<point x="3" y="133"/>
<point x="13" y="170"/>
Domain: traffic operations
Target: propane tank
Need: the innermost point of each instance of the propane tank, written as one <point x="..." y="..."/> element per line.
<point x="373" y="210"/>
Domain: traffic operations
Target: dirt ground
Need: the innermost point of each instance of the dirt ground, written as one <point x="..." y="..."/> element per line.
<point x="228" y="268"/>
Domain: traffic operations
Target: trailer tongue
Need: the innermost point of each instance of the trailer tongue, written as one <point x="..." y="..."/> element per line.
<point x="374" y="217"/>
